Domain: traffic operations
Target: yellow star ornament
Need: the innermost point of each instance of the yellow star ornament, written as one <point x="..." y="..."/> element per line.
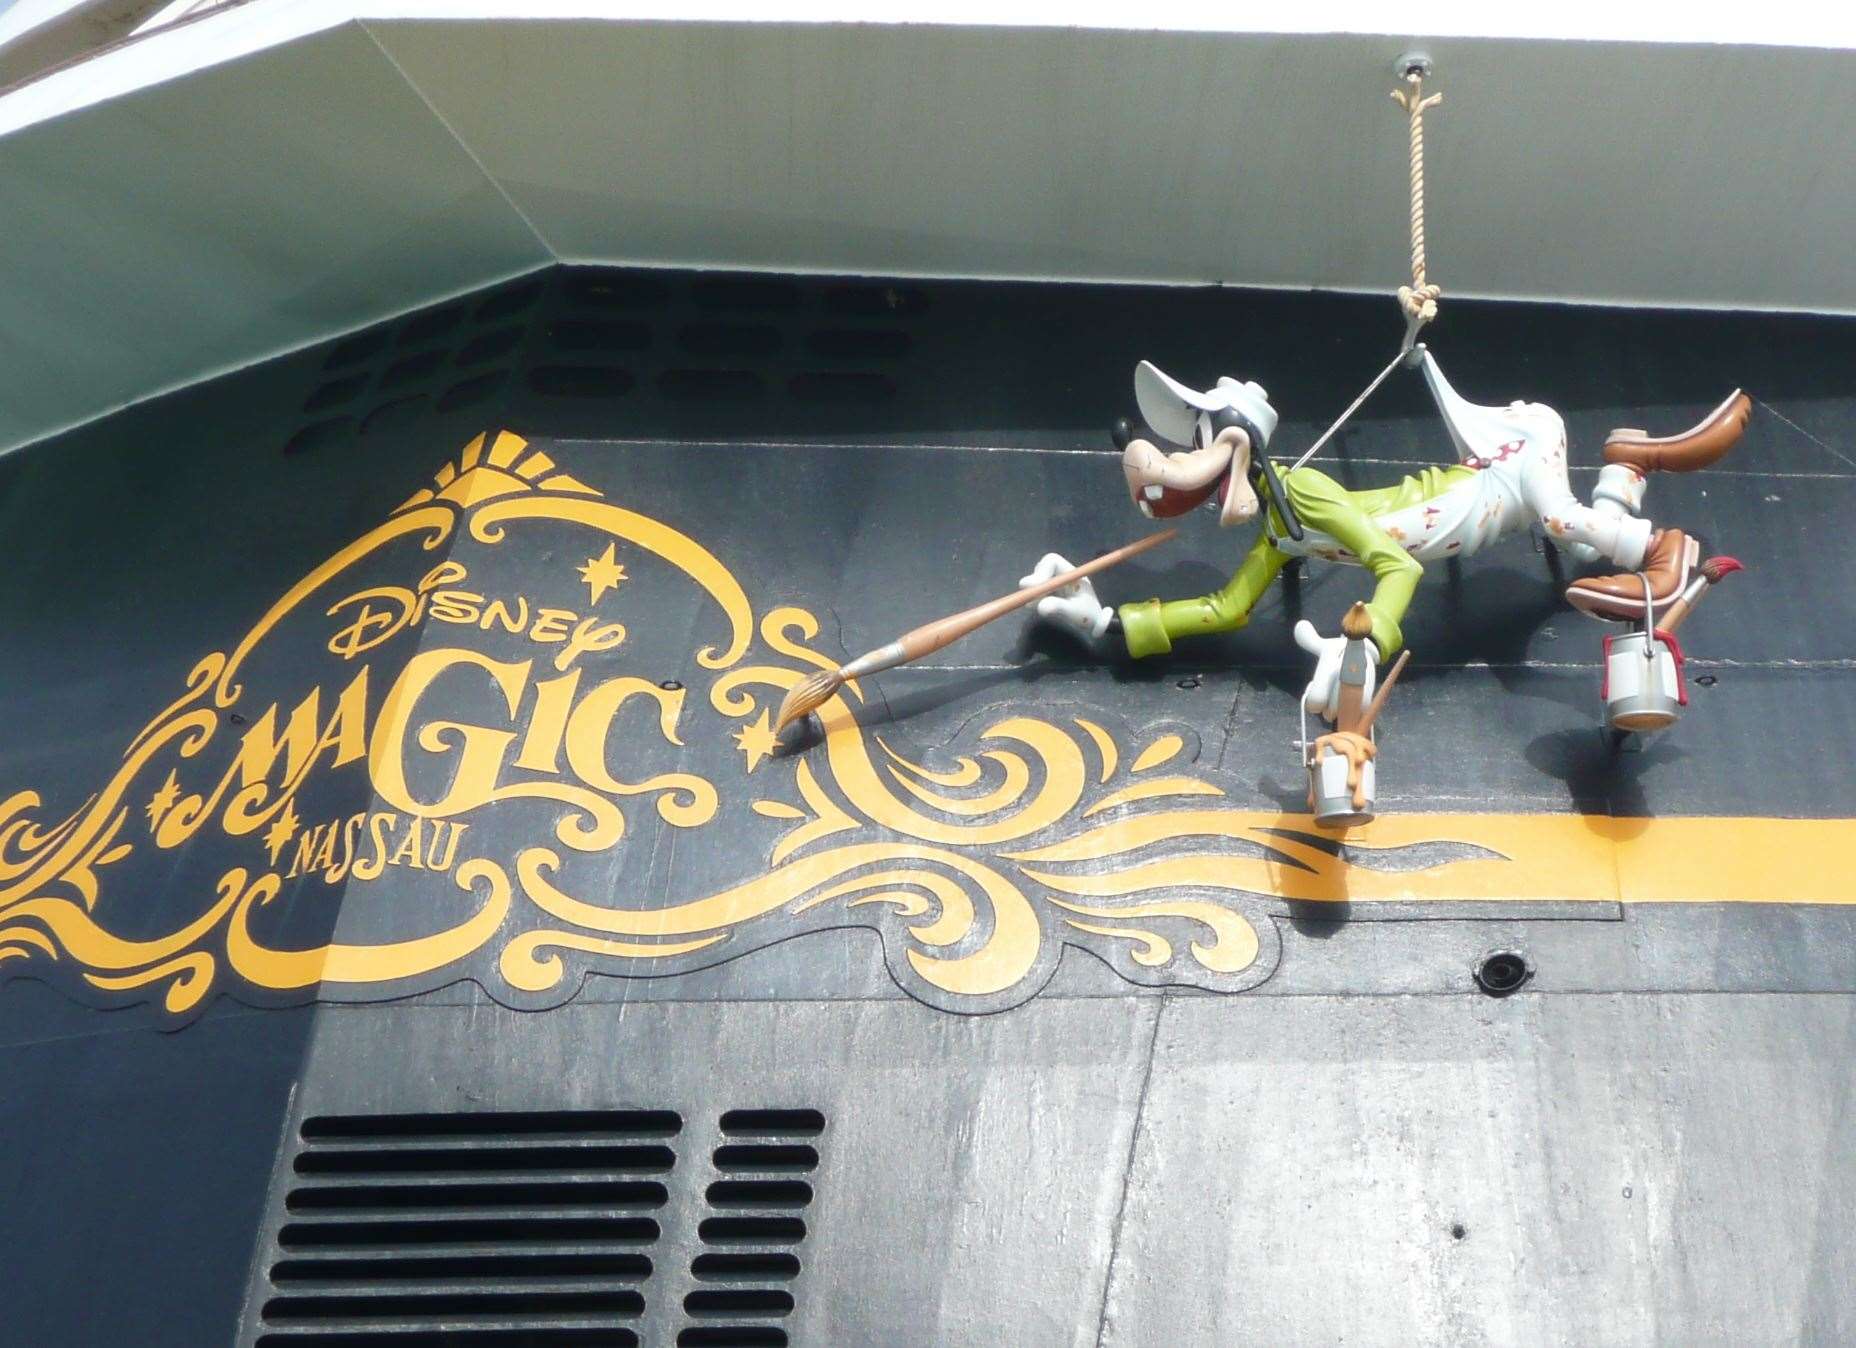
<point x="163" y="800"/>
<point x="756" y="741"/>
<point x="282" y="829"/>
<point x="602" y="573"/>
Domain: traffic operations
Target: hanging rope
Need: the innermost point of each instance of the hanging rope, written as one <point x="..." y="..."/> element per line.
<point x="1419" y="299"/>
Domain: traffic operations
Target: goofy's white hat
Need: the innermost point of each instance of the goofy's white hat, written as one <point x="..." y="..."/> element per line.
<point x="1173" y="410"/>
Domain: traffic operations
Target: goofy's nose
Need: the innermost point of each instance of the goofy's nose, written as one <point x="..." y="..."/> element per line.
<point x="1141" y="463"/>
<point x="1121" y="432"/>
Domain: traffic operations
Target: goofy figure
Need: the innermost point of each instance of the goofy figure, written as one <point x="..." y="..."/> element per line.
<point x="1511" y="473"/>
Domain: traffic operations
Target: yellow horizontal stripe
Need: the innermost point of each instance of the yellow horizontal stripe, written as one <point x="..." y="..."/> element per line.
<point x="1539" y="857"/>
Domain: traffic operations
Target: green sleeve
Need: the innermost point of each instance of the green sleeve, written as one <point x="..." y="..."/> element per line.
<point x="1150" y="627"/>
<point x="1323" y="504"/>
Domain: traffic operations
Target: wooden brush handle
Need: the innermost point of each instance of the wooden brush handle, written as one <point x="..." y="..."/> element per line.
<point x="1712" y="573"/>
<point x="1385" y="689"/>
<point x="1677" y="613"/>
<point x="931" y="637"/>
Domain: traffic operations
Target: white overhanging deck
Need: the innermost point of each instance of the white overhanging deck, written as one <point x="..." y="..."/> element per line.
<point x="239" y="185"/>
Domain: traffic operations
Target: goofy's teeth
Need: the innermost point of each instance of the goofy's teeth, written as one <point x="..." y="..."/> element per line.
<point x="1154" y="491"/>
<point x="1146" y="509"/>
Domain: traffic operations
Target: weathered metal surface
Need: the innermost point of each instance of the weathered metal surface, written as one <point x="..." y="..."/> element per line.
<point x="1596" y="1169"/>
<point x="986" y="1154"/>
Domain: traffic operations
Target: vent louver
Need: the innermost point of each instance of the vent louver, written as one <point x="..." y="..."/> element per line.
<point x="480" y="1230"/>
<point x="553" y="348"/>
<point x="750" y="1256"/>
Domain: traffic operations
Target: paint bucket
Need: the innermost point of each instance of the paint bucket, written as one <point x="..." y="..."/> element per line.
<point x="1334" y="806"/>
<point x="1643" y="681"/>
<point x="1331" y="797"/>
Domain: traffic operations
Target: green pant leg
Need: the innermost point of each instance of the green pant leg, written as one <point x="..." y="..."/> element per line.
<point x="1150" y="627"/>
<point x="1323" y="504"/>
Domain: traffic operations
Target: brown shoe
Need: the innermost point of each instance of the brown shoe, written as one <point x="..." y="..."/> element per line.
<point x="1696" y="447"/>
<point x="1621" y="598"/>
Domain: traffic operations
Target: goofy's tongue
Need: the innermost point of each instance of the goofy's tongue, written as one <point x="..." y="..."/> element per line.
<point x="1159" y="502"/>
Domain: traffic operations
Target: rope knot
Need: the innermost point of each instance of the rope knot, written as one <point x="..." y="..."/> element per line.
<point x="1420" y="302"/>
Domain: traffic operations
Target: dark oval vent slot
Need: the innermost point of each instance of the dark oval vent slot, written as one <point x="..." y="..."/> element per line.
<point x="411" y="369"/>
<point x="392" y="415"/>
<point x="576" y="1123"/>
<point x="739" y="1301"/>
<point x="596" y="290"/>
<point x="494" y="1229"/>
<point x="507" y="1232"/>
<point x="876" y="300"/>
<point x="354" y="350"/>
<point x="430" y="324"/>
<point x="759" y="1194"/>
<point x="471" y="1160"/>
<point x="742" y="292"/>
<point x="732" y="1336"/>
<point x="582" y="1337"/>
<point x="334" y="392"/>
<point x="729" y="339"/>
<point x="860" y="343"/>
<point x="511" y="301"/>
<point x="319" y="435"/>
<point x="591" y="335"/>
<point x="489" y="346"/>
<point x="453" y="1305"/>
<point x="581" y="381"/>
<point x="745" y="1267"/>
<point x="766" y="1156"/>
<point x="605" y="1194"/>
<point x="773" y="1123"/>
<point x="752" y="1231"/>
<point x="469" y="392"/>
<point x="500" y="1267"/>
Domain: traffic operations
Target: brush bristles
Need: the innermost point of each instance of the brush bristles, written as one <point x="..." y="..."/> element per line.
<point x="807" y="697"/>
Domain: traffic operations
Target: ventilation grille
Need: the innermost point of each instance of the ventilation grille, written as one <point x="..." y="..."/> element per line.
<point x="693" y="338"/>
<point x="440" y="360"/>
<point x="754" y="1226"/>
<point x="480" y="1230"/>
<point x="587" y="338"/>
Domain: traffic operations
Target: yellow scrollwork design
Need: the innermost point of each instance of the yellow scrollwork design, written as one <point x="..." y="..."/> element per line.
<point x="1001" y="960"/>
<point x="1234" y="940"/>
<point x="192" y="975"/>
<point x="337" y="963"/>
<point x="68" y="853"/>
<point x="1015" y="817"/>
<point x="775" y="630"/>
<point x="977" y="867"/>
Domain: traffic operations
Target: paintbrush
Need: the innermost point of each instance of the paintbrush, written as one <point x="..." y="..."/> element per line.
<point x="810" y="695"/>
<point x="1385" y="691"/>
<point x="1712" y="572"/>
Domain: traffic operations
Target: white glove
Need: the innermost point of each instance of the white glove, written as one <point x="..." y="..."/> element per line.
<point x="1075" y="605"/>
<point x="1322" y="696"/>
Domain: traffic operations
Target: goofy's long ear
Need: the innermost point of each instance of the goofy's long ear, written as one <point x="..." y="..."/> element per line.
<point x="1279" y="497"/>
<point x="1261" y="467"/>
